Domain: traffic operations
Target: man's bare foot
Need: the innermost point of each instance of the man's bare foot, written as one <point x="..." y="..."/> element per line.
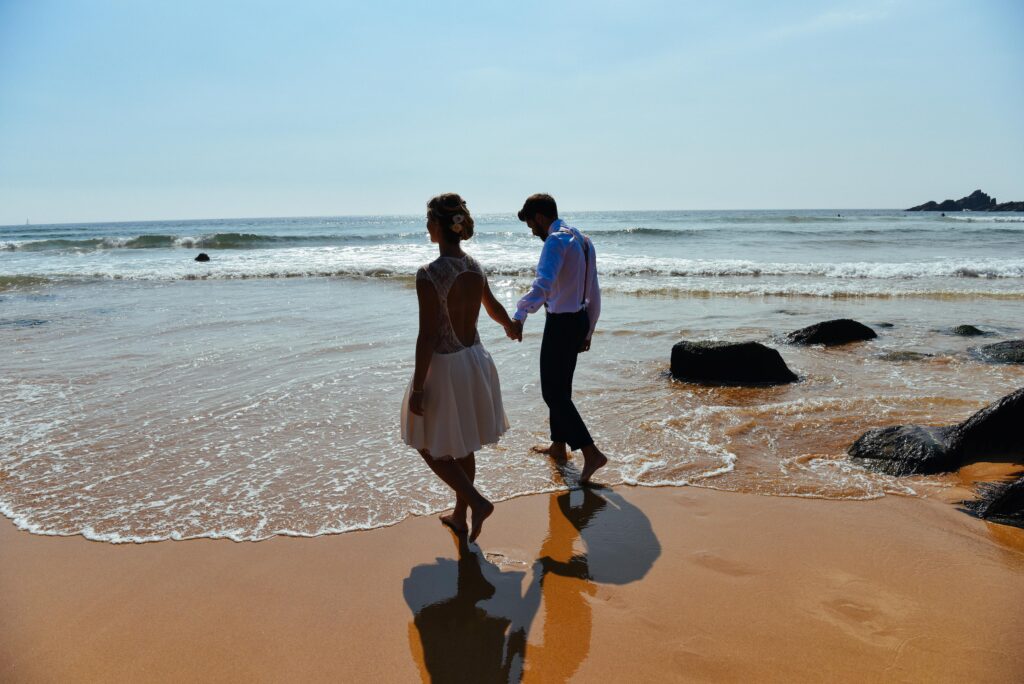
<point x="556" y="450"/>
<point x="456" y="524"/>
<point x="481" y="512"/>
<point x="593" y="459"/>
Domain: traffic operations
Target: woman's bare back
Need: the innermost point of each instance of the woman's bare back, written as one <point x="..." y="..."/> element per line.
<point x="459" y="283"/>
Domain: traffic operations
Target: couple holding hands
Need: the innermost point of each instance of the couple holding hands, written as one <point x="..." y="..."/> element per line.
<point x="453" y="405"/>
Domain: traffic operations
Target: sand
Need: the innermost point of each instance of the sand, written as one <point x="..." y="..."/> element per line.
<point x="637" y="584"/>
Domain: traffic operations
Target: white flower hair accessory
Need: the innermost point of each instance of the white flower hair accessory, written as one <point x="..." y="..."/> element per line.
<point x="457" y="223"/>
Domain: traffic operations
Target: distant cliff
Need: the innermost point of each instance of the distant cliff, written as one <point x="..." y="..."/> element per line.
<point x="976" y="201"/>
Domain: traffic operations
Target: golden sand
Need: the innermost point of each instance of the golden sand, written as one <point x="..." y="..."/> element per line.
<point x="630" y="584"/>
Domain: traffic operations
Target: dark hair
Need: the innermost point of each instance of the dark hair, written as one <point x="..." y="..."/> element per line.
<point x="541" y="203"/>
<point x="452" y="214"/>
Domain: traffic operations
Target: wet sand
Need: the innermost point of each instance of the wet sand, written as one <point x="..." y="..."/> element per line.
<point x="633" y="584"/>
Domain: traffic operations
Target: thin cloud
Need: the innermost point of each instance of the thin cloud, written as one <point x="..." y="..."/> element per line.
<point x="830" y="21"/>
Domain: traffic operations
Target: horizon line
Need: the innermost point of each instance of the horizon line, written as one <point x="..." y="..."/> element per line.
<point x="408" y="215"/>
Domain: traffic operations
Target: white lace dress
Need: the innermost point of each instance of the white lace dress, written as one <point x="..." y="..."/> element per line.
<point x="462" y="409"/>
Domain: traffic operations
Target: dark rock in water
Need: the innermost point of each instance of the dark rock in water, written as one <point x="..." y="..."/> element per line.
<point x="996" y="431"/>
<point x="976" y="201"/>
<point x="905" y="450"/>
<point x="992" y="432"/>
<point x="730" y="363"/>
<point x="968" y="331"/>
<point x="203" y="256"/>
<point x="1000" y="502"/>
<point x="905" y="356"/>
<point x="1011" y="351"/>
<point x="839" y="331"/>
<point x="884" y="325"/>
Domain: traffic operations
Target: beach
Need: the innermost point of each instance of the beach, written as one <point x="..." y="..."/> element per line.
<point x="684" y="584"/>
<point x="202" y="478"/>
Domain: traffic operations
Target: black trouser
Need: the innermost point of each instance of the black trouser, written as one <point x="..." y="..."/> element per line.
<point x="563" y="335"/>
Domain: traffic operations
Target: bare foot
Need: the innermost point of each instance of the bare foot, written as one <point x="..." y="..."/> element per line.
<point x="455" y="523"/>
<point x="481" y="512"/>
<point x="593" y="459"/>
<point x="556" y="450"/>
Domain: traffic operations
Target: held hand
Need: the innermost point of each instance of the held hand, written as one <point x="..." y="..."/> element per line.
<point x="515" y="330"/>
<point x="585" y="346"/>
<point x="416" y="402"/>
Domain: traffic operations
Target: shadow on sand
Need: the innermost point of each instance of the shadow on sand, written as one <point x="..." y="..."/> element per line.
<point x="471" y="618"/>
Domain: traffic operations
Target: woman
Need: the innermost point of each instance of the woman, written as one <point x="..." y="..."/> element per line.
<point x="453" y="404"/>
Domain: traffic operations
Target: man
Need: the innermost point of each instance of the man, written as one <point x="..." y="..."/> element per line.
<point x="566" y="286"/>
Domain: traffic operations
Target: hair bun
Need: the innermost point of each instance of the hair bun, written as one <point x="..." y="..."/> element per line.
<point x="452" y="214"/>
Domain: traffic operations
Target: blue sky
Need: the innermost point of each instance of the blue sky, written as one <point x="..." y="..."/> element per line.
<point x="158" y="110"/>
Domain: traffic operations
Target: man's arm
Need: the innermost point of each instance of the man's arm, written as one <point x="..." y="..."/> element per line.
<point x="547" y="269"/>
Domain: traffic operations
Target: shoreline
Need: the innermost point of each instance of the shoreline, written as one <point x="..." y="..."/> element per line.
<point x="636" y="583"/>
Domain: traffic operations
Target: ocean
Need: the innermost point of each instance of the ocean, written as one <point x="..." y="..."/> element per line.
<point x="146" y="396"/>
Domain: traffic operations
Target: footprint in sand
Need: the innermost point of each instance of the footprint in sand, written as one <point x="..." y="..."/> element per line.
<point x="712" y="561"/>
<point x="864" y="610"/>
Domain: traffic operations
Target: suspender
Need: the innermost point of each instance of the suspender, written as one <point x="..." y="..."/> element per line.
<point x="586" y="263"/>
<point x="586" y="268"/>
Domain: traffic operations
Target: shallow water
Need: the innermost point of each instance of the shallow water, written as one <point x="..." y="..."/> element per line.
<point x="144" y="403"/>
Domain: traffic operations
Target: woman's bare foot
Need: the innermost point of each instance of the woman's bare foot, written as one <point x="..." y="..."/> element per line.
<point x="455" y="523"/>
<point x="593" y="459"/>
<point x="556" y="450"/>
<point x="481" y="512"/>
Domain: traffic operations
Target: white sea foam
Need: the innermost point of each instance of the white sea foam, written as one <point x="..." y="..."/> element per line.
<point x="386" y="261"/>
<point x="975" y="218"/>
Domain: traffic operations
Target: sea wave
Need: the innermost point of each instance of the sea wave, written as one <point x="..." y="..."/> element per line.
<point x="212" y="241"/>
<point x="946" y="268"/>
<point x="12" y="282"/>
<point x="639" y="286"/>
<point x="973" y="218"/>
<point x="511" y="260"/>
<point x="810" y="290"/>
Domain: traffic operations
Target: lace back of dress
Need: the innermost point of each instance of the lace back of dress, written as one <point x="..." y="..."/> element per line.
<point x="442" y="272"/>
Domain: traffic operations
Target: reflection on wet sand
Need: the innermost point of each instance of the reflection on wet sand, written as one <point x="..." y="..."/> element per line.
<point x="479" y="632"/>
<point x="471" y="635"/>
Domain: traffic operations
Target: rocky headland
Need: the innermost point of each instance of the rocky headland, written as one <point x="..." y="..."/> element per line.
<point x="976" y="201"/>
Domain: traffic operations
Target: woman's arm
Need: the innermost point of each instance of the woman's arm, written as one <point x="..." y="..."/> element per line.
<point x="496" y="311"/>
<point x="429" y="328"/>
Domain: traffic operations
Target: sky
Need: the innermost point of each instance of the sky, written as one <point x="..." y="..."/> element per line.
<point x="124" y="110"/>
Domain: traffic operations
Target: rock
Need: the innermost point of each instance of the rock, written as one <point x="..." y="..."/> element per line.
<point x="884" y="325"/>
<point x="905" y="356"/>
<point x="839" y="331"/>
<point x="968" y="331"/>
<point x="992" y="432"/>
<point x="905" y="450"/>
<point x="976" y="201"/>
<point x="1011" y="351"/>
<point x="203" y="256"/>
<point x="729" y="363"/>
<point x="1000" y="502"/>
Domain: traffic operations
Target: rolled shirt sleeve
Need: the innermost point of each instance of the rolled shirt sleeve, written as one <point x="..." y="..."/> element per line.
<point x="547" y="269"/>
